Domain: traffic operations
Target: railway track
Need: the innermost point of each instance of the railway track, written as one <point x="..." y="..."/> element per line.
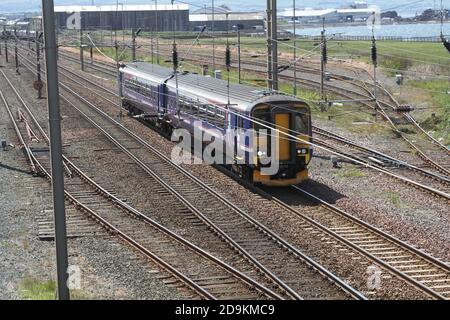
<point x="393" y="254"/>
<point x="431" y="151"/>
<point x="427" y="147"/>
<point x="295" y="274"/>
<point x="417" y="177"/>
<point x="432" y="182"/>
<point x="414" y="266"/>
<point x="201" y="272"/>
<point x="420" y="180"/>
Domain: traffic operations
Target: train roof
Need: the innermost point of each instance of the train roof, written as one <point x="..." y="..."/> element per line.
<point x="242" y="97"/>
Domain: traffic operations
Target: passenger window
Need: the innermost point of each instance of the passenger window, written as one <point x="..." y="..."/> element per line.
<point x="301" y="123"/>
<point x="261" y="118"/>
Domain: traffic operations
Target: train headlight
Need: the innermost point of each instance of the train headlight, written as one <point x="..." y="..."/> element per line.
<point x="302" y="151"/>
<point x="261" y="154"/>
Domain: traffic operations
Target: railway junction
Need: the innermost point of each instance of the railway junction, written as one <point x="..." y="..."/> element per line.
<point x="358" y="211"/>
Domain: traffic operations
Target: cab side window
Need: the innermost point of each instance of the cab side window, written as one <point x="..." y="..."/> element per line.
<point x="301" y="123"/>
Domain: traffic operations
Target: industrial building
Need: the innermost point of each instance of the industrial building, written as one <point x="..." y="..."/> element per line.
<point x="225" y="19"/>
<point x="358" y="12"/>
<point x="163" y="17"/>
<point x="311" y="15"/>
<point x="355" y="15"/>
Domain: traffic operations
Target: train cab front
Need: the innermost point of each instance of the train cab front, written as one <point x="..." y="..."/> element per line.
<point x="283" y="137"/>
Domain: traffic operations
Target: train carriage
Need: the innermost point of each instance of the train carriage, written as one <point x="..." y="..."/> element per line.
<point x="150" y="91"/>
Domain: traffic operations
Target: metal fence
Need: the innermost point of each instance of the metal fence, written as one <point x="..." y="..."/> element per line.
<point x="379" y="38"/>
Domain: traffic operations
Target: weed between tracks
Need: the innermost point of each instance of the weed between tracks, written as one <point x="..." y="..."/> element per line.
<point x="350" y="172"/>
<point x="393" y="197"/>
<point x="31" y="288"/>
<point x="34" y="289"/>
<point x="434" y="107"/>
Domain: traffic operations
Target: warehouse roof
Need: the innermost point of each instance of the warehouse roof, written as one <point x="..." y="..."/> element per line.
<point x="234" y="16"/>
<point x="369" y="10"/>
<point x="122" y="7"/>
<point x="308" y="12"/>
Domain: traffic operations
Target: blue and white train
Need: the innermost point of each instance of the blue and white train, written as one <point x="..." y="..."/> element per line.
<point x="151" y="91"/>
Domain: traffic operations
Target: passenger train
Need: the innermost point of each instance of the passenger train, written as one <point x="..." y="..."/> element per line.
<point x="150" y="91"/>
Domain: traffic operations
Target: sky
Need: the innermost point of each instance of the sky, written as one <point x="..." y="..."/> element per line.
<point x="405" y="7"/>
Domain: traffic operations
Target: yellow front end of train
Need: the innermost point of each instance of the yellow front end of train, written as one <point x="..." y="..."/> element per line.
<point x="289" y="143"/>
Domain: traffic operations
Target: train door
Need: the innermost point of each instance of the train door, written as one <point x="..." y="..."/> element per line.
<point x="262" y="126"/>
<point x="282" y="123"/>
<point x="162" y="98"/>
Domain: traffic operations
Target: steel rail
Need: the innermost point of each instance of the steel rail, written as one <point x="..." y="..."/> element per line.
<point x="126" y="207"/>
<point x="403" y="179"/>
<point x="381" y="169"/>
<point x="436" y="262"/>
<point x="114" y="230"/>
<point x="223" y="235"/>
<point x="338" y="282"/>
<point x="429" y="292"/>
<point x="109" y="226"/>
<point x="331" y="135"/>
<point x="19" y="135"/>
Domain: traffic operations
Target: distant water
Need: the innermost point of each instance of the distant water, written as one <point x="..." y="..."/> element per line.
<point x="399" y="30"/>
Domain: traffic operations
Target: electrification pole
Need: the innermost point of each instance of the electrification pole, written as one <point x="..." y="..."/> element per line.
<point x="213" y="37"/>
<point x="295" y="48"/>
<point x="375" y="62"/>
<point x="116" y="47"/>
<point x="269" y="45"/>
<point x="48" y="16"/>
<point x="91" y="53"/>
<point x="133" y="44"/>
<point x="175" y="63"/>
<point x="239" y="54"/>
<point x="322" y="60"/>
<point x="157" y="29"/>
<point x="6" y="45"/>
<point x="274" y="45"/>
<point x="81" y="47"/>
<point x="16" y="52"/>
<point x="151" y="49"/>
<point x="38" y="65"/>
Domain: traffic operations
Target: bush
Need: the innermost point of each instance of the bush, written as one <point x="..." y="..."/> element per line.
<point x="396" y="63"/>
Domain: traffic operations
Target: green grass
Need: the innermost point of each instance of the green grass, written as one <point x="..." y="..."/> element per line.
<point x="414" y="52"/>
<point x="392" y="55"/>
<point x="354" y="119"/>
<point x="350" y="172"/>
<point x="392" y="197"/>
<point x="247" y="78"/>
<point x="434" y="101"/>
<point x="33" y="289"/>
